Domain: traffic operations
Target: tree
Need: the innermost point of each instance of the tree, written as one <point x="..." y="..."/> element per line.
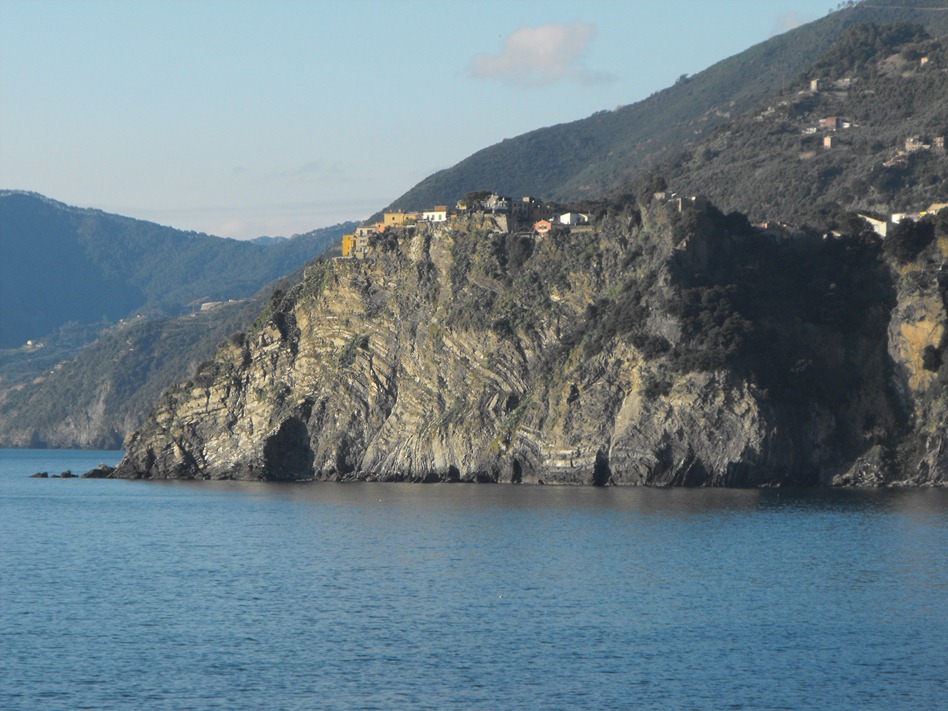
<point x="907" y="240"/>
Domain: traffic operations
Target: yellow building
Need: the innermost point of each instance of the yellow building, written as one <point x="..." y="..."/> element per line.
<point x="348" y="243"/>
<point x="396" y="219"/>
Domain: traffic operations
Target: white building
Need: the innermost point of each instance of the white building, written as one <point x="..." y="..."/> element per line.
<point x="498" y="203"/>
<point x="880" y="227"/>
<point x="437" y="214"/>
<point x="574" y="218"/>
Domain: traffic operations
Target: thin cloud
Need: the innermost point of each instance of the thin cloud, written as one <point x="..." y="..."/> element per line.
<point x="540" y="56"/>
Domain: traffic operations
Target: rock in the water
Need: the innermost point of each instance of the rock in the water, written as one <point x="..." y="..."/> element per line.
<point x="67" y="474"/>
<point x="40" y="475"/>
<point x="103" y="471"/>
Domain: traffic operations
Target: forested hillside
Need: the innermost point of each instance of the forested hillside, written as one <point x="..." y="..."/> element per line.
<point x="94" y="399"/>
<point x="602" y="153"/>
<point x="863" y="129"/>
<point x="112" y="307"/>
<point x="61" y="264"/>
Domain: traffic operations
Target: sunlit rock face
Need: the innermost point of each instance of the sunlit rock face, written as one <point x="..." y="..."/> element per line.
<point x="662" y="346"/>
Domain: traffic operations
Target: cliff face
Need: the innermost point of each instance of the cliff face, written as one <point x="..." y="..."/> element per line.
<point x="660" y="348"/>
<point x="918" y="344"/>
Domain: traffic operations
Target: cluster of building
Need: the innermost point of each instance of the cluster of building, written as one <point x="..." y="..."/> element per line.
<point x="527" y="215"/>
<point x="829" y="125"/>
<point x="925" y="143"/>
<point x="357" y="243"/>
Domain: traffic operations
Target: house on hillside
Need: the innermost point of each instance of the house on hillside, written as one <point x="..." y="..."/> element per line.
<point x="348" y="244"/>
<point x="439" y="213"/>
<point x="524" y="209"/>
<point x="880" y="227"/>
<point x="355" y="245"/>
<point x="681" y="202"/>
<point x="398" y="219"/>
<point x="932" y="209"/>
<point x="542" y="227"/>
<point x="897" y="217"/>
<point x="497" y="203"/>
<point x="574" y="218"/>
<point x="778" y="232"/>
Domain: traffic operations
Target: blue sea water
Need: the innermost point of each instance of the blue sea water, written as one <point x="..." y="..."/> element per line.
<point x="164" y="595"/>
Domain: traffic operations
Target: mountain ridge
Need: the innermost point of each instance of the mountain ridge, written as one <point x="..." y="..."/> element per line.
<point x="96" y="313"/>
<point x="56" y="257"/>
<point x="852" y="133"/>
<point x="602" y="153"/>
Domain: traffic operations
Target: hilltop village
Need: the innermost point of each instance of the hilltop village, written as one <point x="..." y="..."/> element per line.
<point x="832" y="129"/>
<point x="832" y="117"/>
<point x="527" y="216"/>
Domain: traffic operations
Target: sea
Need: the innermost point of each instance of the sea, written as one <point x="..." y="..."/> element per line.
<point x="245" y="595"/>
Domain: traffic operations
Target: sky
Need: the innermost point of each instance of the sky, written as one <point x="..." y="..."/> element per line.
<point x="243" y="118"/>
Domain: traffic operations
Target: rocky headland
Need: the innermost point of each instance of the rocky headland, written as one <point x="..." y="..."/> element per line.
<point x="666" y="345"/>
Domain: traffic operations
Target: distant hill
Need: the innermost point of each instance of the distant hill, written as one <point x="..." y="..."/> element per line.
<point x="845" y="143"/>
<point x="113" y="308"/>
<point x="92" y="400"/>
<point x="62" y="264"/>
<point x="602" y="153"/>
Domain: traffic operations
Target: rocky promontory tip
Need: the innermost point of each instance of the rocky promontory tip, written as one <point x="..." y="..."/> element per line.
<point x="103" y="471"/>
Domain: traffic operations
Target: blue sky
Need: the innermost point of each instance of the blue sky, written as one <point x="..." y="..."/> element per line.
<point x="242" y="117"/>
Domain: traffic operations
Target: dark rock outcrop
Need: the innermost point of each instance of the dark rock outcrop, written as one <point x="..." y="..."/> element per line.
<point x="103" y="471"/>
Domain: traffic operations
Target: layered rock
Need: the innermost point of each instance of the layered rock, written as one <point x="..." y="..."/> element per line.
<point x="632" y="354"/>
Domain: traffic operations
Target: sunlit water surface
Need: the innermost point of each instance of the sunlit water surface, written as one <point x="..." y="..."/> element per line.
<point x="119" y="594"/>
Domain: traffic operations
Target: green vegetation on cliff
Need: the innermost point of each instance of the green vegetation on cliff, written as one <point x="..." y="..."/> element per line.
<point x="96" y="398"/>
